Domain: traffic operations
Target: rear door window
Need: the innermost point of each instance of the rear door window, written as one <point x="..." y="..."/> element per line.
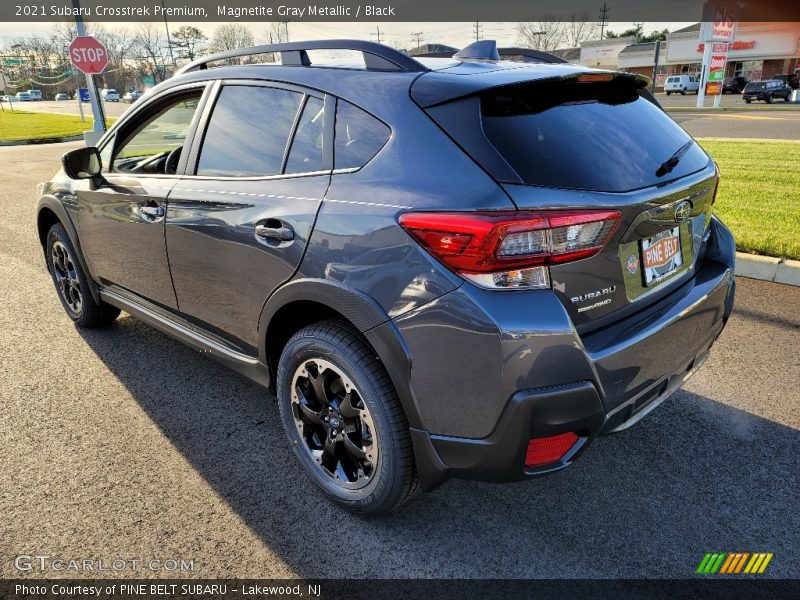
<point x="305" y="155"/>
<point x="248" y="132"/>
<point x="588" y="136"/>
<point x="359" y="136"/>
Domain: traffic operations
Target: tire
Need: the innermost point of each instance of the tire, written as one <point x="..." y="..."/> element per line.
<point x="768" y="99"/>
<point x="375" y="472"/>
<point x="669" y="93"/>
<point x="787" y="98"/>
<point x="683" y="92"/>
<point x="747" y="100"/>
<point x="72" y="284"/>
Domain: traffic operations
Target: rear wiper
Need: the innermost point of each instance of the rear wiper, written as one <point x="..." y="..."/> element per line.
<point x="673" y="160"/>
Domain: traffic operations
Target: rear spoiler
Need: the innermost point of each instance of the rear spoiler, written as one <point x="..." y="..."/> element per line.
<point x="435" y="87"/>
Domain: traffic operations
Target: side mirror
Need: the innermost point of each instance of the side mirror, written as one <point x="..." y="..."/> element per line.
<point x="83" y="163"/>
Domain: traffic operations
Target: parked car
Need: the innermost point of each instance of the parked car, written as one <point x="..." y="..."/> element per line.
<point x="437" y="265"/>
<point x="23" y="97"/>
<point x="61" y="96"/>
<point x="36" y="95"/>
<point x="109" y="95"/>
<point x="767" y="91"/>
<point x="131" y="97"/>
<point x="733" y="85"/>
<point x="681" y="84"/>
<point x="10" y="98"/>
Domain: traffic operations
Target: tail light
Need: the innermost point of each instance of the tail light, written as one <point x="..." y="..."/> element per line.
<point x="510" y="249"/>
<point x="546" y="450"/>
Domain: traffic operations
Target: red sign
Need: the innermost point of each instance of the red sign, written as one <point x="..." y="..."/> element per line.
<point x="88" y="55"/>
<point x="733" y="46"/>
<point x="713" y="88"/>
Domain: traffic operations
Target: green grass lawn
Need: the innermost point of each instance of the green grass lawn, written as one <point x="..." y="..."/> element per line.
<point x="22" y="125"/>
<point x="759" y="195"/>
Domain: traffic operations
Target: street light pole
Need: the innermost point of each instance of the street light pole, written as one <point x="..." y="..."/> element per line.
<point x="97" y="110"/>
<point x="169" y="42"/>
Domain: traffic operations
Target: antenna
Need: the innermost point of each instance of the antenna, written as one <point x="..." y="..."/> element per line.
<point x="603" y="19"/>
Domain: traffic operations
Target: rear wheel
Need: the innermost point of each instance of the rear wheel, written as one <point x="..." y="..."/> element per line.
<point x="747" y="100"/>
<point x="72" y="283"/>
<point x="769" y="99"/>
<point x="788" y="97"/>
<point x="683" y="92"/>
<point x="669" y="93"/>
<point x="344" y="420"/>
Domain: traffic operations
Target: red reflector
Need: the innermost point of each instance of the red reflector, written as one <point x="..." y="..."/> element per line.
<point x="542" y="451"/>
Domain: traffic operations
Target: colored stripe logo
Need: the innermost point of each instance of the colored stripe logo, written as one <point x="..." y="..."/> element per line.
<point x="729" y="563"/>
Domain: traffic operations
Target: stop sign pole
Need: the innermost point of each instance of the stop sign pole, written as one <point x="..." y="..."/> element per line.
<point x="91" y="83"/>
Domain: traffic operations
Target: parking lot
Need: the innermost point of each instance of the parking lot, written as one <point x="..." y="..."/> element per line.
<point x="124" y="443"/>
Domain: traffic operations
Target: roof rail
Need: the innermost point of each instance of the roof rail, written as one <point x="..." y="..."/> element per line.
<point x="533" y="55"/>
<point x="377" y="57"/>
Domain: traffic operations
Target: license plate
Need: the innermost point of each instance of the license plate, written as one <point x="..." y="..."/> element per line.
<point x="661" y="256"/>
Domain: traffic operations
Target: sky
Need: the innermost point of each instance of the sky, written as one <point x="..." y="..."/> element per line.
<point x="393" y="33"/>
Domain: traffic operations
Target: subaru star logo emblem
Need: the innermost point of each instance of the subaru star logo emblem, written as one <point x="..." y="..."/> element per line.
<point x="683" y="211"/>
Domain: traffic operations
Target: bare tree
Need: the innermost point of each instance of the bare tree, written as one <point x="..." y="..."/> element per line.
<point x="187" y="39"/>
<point x="579" y="29"/>
<point x="547" y="34"/>
<point x="231" y="36"/>
<point x="150" y="46"/>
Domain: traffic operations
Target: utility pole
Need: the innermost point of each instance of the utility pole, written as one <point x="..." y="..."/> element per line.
<point x="286" y="26"/>
<point x="655" y="66"/>
<point x="378" y="34"/>
<point x="418" y="35"/>
<point x="169" y="41"/>
<point x="97" y="108"/>
<point x="477" y="29"/>
<point x="603" y="19"/>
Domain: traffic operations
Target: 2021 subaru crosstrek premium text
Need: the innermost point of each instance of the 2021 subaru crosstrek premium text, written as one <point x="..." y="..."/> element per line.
<point x="444" y="267"/>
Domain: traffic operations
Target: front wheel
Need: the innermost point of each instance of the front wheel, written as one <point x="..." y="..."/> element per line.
<point x="72" y="283"/>
<point x="669" y="93"/>
<point x="747" y="100"/>
<point x="343" y="419"/>
<point x="683" y="92"/>
<point x="769" y="99"/>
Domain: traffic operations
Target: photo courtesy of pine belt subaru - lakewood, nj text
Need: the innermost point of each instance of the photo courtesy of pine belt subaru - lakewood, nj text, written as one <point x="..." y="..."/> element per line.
<point x="443" y="267"/>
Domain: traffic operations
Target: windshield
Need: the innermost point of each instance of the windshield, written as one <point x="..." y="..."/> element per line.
<point x="589" y="136"/>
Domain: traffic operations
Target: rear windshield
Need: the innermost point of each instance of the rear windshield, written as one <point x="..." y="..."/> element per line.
<point x="752" y="87"/>
<point x="588" y="136"/>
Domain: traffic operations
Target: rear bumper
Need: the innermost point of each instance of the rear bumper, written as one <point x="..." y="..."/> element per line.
<point x="620" y="374"/>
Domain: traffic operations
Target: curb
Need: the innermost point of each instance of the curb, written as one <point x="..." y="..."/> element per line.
<point x="71" y="138"/>
<point x="767" y="268"/>
<point x="787" y="107"/>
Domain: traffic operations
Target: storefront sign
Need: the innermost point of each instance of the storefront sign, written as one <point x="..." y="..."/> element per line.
<point x="739" y="45"/>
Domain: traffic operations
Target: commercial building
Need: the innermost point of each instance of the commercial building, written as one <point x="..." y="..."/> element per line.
<point x="759" y="51"/>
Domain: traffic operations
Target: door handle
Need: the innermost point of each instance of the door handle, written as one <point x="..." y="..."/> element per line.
<point x="281" y="233"/>
<point x="152" y="213"/>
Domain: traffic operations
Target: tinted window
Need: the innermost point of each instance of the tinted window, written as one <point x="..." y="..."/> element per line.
<point x="159" y="135"/>
<point x="306" y="152"/>
<point x="591" y="136"/>
<point x="248" y="132"/>
<point x="359" y="136"/>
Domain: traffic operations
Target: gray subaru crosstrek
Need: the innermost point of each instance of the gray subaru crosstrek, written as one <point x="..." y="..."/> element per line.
<point x="443" y="267"/>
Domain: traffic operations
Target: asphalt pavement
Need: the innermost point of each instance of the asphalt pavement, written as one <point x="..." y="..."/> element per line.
<point x="122" y="443"/>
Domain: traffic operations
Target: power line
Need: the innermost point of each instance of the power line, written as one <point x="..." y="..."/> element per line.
<point x="418" y="35"/>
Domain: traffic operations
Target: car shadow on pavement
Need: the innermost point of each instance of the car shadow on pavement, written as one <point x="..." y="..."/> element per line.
<point x="695" y="476"/>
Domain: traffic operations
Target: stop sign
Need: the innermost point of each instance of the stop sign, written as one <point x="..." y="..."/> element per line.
<point x="88" y="55"/>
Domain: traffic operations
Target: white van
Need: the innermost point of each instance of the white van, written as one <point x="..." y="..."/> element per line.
<point x="681" y="84"/>
<point x="110" y="95"/>
<point x="35" y="94"/>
